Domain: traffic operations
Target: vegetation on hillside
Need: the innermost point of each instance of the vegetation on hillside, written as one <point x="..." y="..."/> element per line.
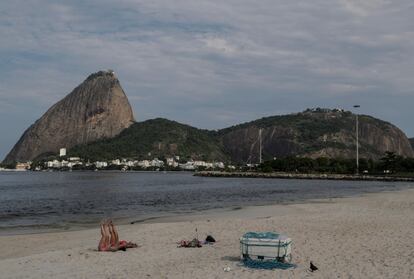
<point x="390" y="163"/>
<point x="319" y="129"/>
<point x="311" y="124"/>
<point x="155" y="138"/>
<point x="9" y="165"/>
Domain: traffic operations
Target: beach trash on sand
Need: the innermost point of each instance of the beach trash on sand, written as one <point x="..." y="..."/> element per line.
<point x="265" y="246"/>
<point x="210" y="239"/>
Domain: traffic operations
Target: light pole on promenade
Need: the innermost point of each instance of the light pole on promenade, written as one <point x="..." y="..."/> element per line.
<point x="357" y="141"/>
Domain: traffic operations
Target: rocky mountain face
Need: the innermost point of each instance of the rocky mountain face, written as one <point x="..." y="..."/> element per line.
<point x="96" y="109"/>
<point x="412" y="142"/>
<point x="314" y="133"/>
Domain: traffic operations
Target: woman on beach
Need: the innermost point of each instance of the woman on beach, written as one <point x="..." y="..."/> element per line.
<point x="110" y="239"/>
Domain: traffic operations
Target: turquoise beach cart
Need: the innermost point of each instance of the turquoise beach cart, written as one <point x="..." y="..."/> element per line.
<point x="264" y="246"/>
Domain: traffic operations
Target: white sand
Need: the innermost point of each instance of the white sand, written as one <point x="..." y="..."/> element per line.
<point x="363" y="237"/>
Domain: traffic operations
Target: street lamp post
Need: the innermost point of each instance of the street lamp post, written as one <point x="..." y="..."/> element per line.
<point x="260" y="145"/>
<point x="357" y="140"/>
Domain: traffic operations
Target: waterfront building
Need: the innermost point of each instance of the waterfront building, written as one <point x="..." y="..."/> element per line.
<point x="23" y="166"/>
<point x="219" y="165"/>
<point x="188" y="166"/>
<point x="100" y="165"/>
<point x="157" y="163"/>
<point x="62" y="152"/>
<point x="144" y="164"/>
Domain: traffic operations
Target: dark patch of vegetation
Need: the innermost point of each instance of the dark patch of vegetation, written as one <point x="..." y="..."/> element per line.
<point x="308" y="165"/>
<point x="98" y="74"/>
<point x="10" y="165"/>
<point x="390" y="163"/>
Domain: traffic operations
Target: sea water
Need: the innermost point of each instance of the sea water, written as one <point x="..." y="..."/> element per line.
<point x="45" y="201"/>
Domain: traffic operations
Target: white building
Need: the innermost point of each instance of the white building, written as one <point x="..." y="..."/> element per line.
<point x="157" y="163"/>
<point x="171" y="162"/>
<point x="144" y="164"/>
<point x="188" y="166"/>
<point x="199" y="163"/>
<point x="203" y="164"/>
<point x="54" y="164"/>
<point x="100" y="165"/>
<point x="23" y="166"/>
<point x="116" y="162"/>
<point x="72" y="164"/>
<point x="62" y="152"/>
<point x="131" y="163"/>
<point x="219" y="165"/>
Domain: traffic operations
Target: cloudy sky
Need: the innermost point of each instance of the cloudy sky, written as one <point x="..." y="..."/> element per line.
<point x="210" y="63"/>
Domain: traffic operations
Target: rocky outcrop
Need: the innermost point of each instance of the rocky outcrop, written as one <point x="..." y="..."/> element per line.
<point x="243" y="144"/>
<point x="314" y="133"/>
<point x="98" y="108"/>
<point x="412" y="142"/>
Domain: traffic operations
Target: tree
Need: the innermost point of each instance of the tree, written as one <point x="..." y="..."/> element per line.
<point x="391" y="161"/>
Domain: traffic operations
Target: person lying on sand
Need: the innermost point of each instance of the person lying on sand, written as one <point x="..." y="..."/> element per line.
<point x="190" y="244"/>
<point x="110" y="239"/>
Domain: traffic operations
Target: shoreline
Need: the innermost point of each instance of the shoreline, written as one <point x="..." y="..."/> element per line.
<point x="310" y="176"/>
<point x="359" y="237"/>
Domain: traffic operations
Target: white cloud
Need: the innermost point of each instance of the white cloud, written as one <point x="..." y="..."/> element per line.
<point x="220" y="45"/>
<point x="366" y="7"/>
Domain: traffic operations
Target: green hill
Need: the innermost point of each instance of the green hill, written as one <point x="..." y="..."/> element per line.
<point x="155" y="138"/>
<point x="314" y="133"/>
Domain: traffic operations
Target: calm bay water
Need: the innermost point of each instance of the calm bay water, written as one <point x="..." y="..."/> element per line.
<point x="44" y="201"/>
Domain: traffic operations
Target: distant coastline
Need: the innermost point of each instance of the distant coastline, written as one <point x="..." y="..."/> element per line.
<point x="284" y="175"/>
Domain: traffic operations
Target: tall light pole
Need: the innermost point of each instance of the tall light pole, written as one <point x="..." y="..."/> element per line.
<point x="357" y="141"/>
<point x="260" y="145"/>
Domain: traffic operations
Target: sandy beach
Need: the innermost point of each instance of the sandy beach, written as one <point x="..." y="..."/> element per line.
<point x="359" y="237"/>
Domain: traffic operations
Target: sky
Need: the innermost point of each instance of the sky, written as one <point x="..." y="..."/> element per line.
<point x="209" y="63"/>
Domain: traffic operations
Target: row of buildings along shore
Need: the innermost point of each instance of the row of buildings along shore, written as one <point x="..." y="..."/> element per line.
<point x="172" y="163"/>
